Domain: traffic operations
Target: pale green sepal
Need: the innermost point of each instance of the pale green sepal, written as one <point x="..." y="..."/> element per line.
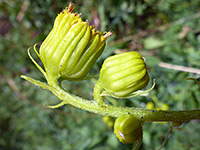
<point x="38" y="83"/>
<point x="38" y="66"/>
<point x="138" y="144"/>
<point x="34" y="47"/>
<point x="57" y="106"/>
<point x="134" y="94"/>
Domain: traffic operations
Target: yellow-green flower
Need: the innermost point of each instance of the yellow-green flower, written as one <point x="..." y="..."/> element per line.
<point x="71" y="48"/>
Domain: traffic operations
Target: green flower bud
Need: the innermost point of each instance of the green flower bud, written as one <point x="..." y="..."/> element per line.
<point x="109" y="121"/>
<point x="128" y="129"/>
<point x="165" y="107"/>
<point x="150" y="105"/>
<point x="123" y="74"/>
<point x="71" y="48"/>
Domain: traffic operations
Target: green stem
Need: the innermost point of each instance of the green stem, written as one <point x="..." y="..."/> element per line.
<point x="166" y="137"/>
<point x="97" y="92"/>
<point x="143" y="115"/>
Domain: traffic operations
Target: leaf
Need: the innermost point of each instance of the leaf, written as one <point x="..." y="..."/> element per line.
<point x="153" y="43"/>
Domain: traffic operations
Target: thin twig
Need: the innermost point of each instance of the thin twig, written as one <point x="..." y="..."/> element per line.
<point x="166" y="137"/>
<point x="179" y="68"/>
<point x="23" y="9"/>
<point x="194" y="80"/>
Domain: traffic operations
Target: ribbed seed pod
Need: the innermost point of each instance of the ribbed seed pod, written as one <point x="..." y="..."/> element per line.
<point x="128" y="129"/>
<point x="72" y="47"/>
<point x="124" y="73"/>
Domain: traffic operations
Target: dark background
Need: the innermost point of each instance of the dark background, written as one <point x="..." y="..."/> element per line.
<point x="161" y="30"/>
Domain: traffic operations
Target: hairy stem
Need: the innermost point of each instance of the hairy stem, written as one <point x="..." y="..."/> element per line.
<point x="97" y="92"/>
<point x="143" y="115"/>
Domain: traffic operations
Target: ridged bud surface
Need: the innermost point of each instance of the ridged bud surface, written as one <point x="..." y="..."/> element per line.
<point x="124" y="73"/>
<point x="127" y="129"/>
<point x="71" y="48"/>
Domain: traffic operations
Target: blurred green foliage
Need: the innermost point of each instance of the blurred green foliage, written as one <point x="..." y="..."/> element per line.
<point x="161" y="30"/>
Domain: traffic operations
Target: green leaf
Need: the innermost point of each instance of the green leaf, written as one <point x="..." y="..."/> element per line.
<point x="153" y="43"/>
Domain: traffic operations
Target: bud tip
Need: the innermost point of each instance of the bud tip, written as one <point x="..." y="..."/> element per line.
<point x="108" y="34"/>
<point x="70" y="8"/>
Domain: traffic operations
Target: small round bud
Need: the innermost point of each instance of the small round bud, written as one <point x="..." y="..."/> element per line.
<point x="150" y="105"/>
<point x="109" y="121"/>
<point x="165" y="107"/>
<point x="128" y="129"/>
<point x="124" y="73"/>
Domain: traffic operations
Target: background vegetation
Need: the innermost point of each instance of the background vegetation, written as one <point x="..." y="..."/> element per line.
<point x="161" y="30"/>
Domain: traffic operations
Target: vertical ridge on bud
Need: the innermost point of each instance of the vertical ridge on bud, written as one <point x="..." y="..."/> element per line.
<point x="56" y="39"/>
<point x="92" y="51"/>
<point x="79" y="50"/>
<point x="128" y="129"/>
<point x="71" y="48"/>
<point x="73" y="42"/>
<point x="123" y="74"/>
<point x="68" y="43"/>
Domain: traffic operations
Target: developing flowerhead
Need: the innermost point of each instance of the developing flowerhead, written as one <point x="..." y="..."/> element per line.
<point x="72" y="47"/>
<point x="123" y="74"/>
<point x="128" y="129"/>
<point x="150" y="105"/>
<point x="109" y="121"/>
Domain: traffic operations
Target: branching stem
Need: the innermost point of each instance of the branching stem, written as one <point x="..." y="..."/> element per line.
<point x="143" y="115"/>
